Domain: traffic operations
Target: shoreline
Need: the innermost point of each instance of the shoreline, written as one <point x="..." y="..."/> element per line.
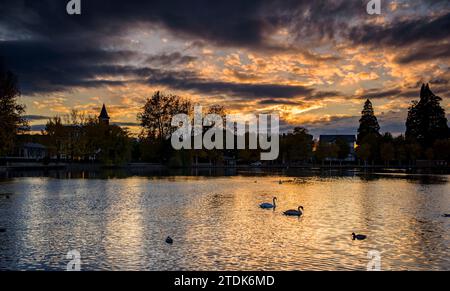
<point x="148" y="166"/>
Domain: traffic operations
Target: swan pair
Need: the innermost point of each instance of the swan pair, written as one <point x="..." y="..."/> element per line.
<point x="273" y="205"/>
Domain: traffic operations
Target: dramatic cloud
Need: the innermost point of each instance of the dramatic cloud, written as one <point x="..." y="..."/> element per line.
<point x="306" y="59"/>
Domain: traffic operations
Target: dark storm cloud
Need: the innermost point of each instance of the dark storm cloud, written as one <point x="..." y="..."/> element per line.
<point x="439" y="81"/>
<point x="424" y="53"/>
<point x="279" y="102"/>
<point x="403" y="33"/>
<point x="380" y="94"/>
<point x="45" y="68"/>
<point x="168" y="59"/>
<point x="211" y="87"/>
<point x="52" y="51"/>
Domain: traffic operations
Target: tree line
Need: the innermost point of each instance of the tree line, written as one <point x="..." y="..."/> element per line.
<point x="77" y="137"/>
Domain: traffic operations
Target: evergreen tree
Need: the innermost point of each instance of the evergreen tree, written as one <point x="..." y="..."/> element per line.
<point x="426" y="121"/>
<point x="368" y="124"/>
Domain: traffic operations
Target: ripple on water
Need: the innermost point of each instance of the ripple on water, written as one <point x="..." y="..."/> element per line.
<point x="217" y="225"/>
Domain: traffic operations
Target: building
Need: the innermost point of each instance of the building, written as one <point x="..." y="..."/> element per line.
<point x="104" y="117"/>
<point x="32" y="151"/>
<point x="350" y="139"/>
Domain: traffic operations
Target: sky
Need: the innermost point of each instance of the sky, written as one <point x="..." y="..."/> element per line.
<point x="313" y="62"/>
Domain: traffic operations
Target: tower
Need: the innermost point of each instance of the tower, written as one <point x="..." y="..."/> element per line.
<point x="104" y="117"/>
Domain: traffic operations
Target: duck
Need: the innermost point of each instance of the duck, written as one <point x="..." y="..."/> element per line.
<point x="2" y="230"/>
<point x="7" y="195"/>
<point x="298" y="212"/>
<point x="358" y="236"/>
<point x="268" y="205"/>
<point x="169" y="240"/>
<point x="446" y="215"/>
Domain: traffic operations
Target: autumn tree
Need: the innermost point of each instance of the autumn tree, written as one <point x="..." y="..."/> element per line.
<point x="156" y="116"/>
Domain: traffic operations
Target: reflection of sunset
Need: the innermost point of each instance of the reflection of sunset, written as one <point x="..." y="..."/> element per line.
<point x="216" y="223"/>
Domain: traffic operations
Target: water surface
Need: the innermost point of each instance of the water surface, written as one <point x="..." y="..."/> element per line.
<point x="121" y="224"/>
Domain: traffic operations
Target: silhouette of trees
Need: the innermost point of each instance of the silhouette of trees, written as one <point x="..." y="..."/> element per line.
<point x="296" y="146"/>
<point x="76" y="137"/>
<point x="426" y="122"/>
<point x="157" y="115"/>
<point x="11" y="120"/>
<point x="441" y="149"/>
<point x="343" y="148"/>
<point x="363" y="152"/>
<point x="368" y="124"/>
<point x="387" y="153"/>
<point x="326" y="150"/>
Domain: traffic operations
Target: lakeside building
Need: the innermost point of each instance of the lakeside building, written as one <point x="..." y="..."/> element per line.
<point x="34" y="151"/>
<point x="33" y="147"/>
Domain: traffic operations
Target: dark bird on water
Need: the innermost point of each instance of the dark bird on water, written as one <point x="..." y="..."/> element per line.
<point x="358" y="236"/>
<point x="169" y="240"/>
<point x="268" y="205"/>
<point x="298" y="212"/>
<point x="2" y="230"/>
<point x="7" y="195"/>
<point x="446" y="215"/>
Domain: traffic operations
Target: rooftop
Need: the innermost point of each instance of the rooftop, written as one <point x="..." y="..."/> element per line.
<point x="104" y="113"/>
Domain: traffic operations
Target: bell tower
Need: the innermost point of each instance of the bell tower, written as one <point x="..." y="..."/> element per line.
<point x="104" y="117"/>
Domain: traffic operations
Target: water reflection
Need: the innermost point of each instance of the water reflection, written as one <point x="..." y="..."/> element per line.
<point x="121" y="224"/>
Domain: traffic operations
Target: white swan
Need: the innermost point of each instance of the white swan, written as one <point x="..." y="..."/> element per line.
<point x="268" y="205"/>
<point x="298" y="212"/>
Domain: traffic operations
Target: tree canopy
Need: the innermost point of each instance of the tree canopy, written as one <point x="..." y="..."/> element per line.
<point x="426" y="122"/>
<point x="11" y="120"/>
<point x="368" y="124"/>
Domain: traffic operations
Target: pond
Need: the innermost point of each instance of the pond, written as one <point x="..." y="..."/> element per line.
<point x="216" y="223"/>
